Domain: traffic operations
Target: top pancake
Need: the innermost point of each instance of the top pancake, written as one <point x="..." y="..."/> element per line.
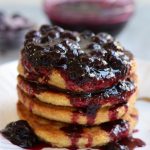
<point x="75" y="61"/>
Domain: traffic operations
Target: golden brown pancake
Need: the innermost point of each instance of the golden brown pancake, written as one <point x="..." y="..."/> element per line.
<point x="75" y="61"/>
<point x="64" y="98"/>
<point x="90" y="115"/>
<point x="55" y="78"/>
<point x="76" y="89"/>
<point x="59" y="135"/>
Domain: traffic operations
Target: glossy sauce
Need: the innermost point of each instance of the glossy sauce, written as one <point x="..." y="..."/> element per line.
<point x="74" y="132"/>
<point x="113" y="111"/>
<point x="86" y="61"/>
<point x="117" y="129"/>
<point x="27" y="139"/>
<point x="115" y="95"/>
<point x="89" y="111"/>
<point x="128" y="143"/>
<point x="21" y="134"/>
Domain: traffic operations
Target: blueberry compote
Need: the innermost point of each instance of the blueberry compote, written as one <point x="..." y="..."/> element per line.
<point x="114" y="95"/>
<point x="87" y="62"/>
<point x="95" y="15"/>
<point x="128" y="143"/>
<point x="117" y="130"/>
<point x="21" y="134"/>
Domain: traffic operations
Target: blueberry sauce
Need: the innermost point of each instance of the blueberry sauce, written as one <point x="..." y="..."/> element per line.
<point x="90" y="141"/>
<point x="117" y="94"/>
<point x="21" y="134"/>
<point x="84" y="67"/>
<point x="128" y="143"/>
<point x="41" y="145"/>
<point x="74" y="132"/>
<point x="132" y="143"/>
<point x="89" y="111"/>
<point x="113" y="111"/>
<point x="117" y="129"/>
<point x="108" y="16"/>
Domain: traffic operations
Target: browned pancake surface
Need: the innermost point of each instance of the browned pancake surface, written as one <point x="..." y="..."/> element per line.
<point x="90" y="115"/>
<point x="56" y="133"/>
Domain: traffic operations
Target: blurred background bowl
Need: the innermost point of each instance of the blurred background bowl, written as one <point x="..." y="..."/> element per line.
<point x="96" y="15"/>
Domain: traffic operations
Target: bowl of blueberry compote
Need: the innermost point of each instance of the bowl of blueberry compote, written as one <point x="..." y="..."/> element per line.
<point x="96" y="15"/>
<point x="12" y="30"/>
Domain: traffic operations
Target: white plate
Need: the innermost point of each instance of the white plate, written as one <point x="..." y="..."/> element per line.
<point x="8" y="98"/>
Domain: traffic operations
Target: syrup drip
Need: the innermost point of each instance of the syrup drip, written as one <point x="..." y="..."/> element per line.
<point x="90" y="141"/>
<point x="27" y="87"/>
<point x="117" y="129"/>
<point x="75" y="117"/>
<point x="113" y="111"/>
<point x="90" y="113"/>
<point x="74" y="132"/>
<point x="31" y="105"/>
<point x="114" y="95"/>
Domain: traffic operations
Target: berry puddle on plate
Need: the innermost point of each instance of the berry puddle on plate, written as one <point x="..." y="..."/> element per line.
<point x="21" y="134"/>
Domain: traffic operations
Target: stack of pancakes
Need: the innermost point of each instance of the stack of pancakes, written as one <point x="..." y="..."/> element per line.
<point x="76" y="89"/>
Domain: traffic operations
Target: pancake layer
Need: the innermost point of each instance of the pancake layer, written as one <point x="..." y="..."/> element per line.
<point x="117" y="94"/>
<point x="76" y="89"/>
<point x="63" y="135"/>
<point x="56" y="79"/>
<point x="90" y="115"/>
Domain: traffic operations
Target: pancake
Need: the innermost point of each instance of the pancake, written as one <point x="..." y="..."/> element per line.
<point x="64" y="135"/>
<point x="75" y="61"/>
<point x="119" y="93"/>
<point x="90" y="115"/>
<point x="56" y="79"/>
<point x="76" y="90"/>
